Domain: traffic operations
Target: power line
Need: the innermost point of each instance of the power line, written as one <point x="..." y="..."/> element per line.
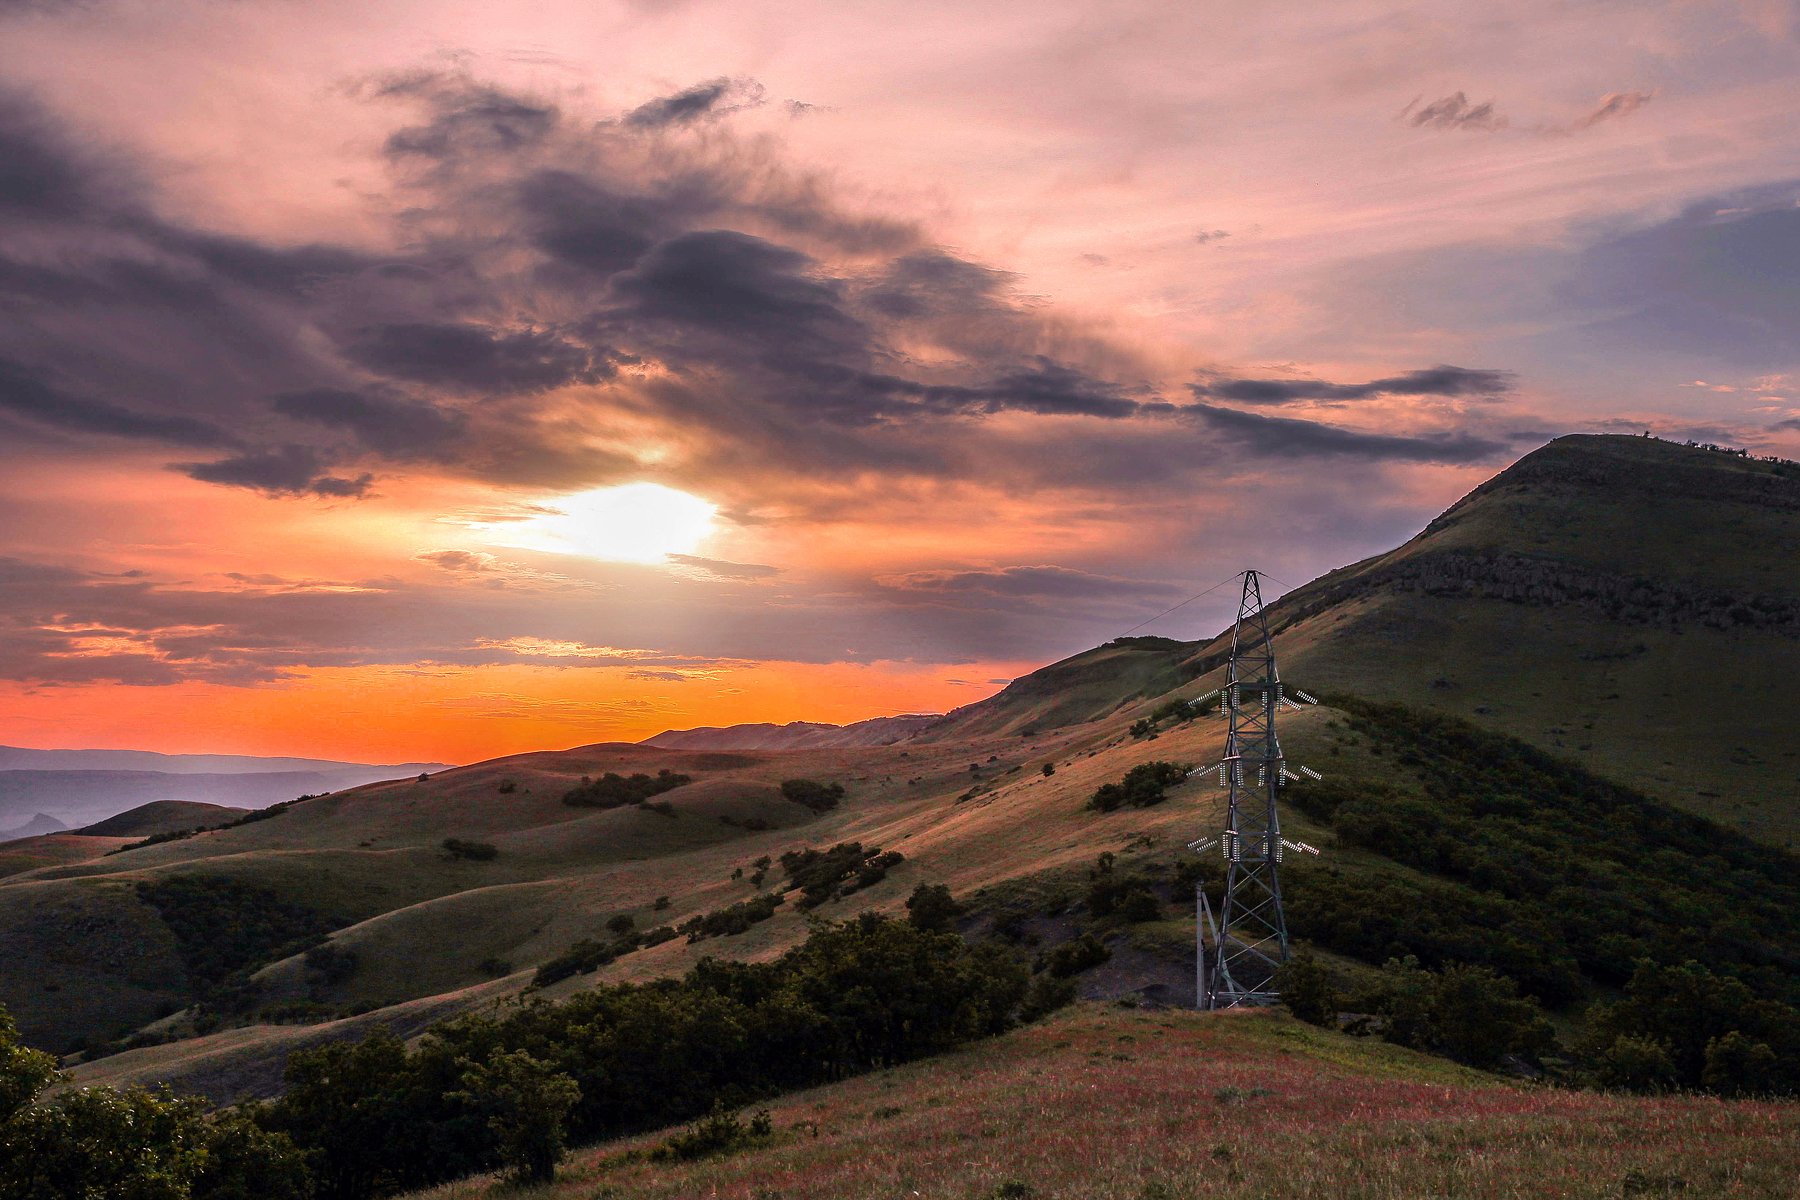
<point x="1196" y="596"/>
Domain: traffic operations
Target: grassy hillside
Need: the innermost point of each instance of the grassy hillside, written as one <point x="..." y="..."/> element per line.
<point x="1122" y="1104"/>
<point x="1625" y="602"/>
<point x="1529" y="564"/>
<point x="164" y="816"/>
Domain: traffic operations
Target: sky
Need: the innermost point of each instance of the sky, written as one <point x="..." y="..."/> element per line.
<point x="395" y="380"/>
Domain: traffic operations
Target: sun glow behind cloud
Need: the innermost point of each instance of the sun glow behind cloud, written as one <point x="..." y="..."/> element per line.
<point x="634" y="523"/>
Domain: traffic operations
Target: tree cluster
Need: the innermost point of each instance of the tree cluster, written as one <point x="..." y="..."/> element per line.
<point x="1143" y="786"/>
<point x="613" y="790"/>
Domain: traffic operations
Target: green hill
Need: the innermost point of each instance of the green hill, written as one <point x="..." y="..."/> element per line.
<point x="1126" y="1104"/>
<point x="323" y="918"/>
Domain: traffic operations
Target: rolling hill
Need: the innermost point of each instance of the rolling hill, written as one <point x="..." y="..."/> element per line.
<point x="1129" y="1104"/>
<point x="342" y="912"/>
<point x="79" y="787"/>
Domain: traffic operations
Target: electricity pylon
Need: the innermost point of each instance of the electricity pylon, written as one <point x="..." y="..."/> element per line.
<point x="1250" y="942"/>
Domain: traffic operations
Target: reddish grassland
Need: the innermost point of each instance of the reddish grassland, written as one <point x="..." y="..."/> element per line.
<point x="1119" y="1104"/>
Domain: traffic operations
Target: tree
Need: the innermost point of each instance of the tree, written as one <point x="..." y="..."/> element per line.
<point x="932" y="908"/>
<point x="1308" y="989"/>
<point x="820" y="797"/>
<point x="527" y="1105"/>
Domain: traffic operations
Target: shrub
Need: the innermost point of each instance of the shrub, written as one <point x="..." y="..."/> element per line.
<point x="1049" y="769"/>
<point x="732" y="920"/>
<point x="809" y="793"/>
<point x="622" y="923"/>
<point x="932" y="908"/>
<point x="1074" y="957"/>
<point x="1143" y="786"/>
<point x="1307" y="989"/>
<point x="719" y="1132"/>
<point x="457" y="848"/>
<point x="612" y="790"/>
<point x="823" y="875"/>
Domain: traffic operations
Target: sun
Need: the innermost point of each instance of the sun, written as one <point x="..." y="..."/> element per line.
<point x="634" y="523"/>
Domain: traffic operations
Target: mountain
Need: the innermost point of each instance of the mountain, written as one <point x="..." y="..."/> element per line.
<point x="164" y="816"/>
<point x="81" y="796"/>
<point x="1451" y="800"/>
<point x="795" y="735"/>
<point x="40" y="823"/>
<point x="17" y="758"/>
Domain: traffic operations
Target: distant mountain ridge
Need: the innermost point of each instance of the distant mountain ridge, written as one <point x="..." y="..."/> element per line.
<point x="40" y="824"/>
<point x="795" y="735"/>
<point x="19" y="758"/>
<point x="83" y="794"/>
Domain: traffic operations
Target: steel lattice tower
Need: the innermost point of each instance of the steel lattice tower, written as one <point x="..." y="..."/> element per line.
<point x="1251" y="940"/>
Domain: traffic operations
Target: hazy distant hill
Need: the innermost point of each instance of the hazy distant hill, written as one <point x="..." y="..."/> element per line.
<point x="40" y="823"/>
<point x="18" y="758"/>
<point x="83" y="794"/>
<point x="796" y="735"/>
<point x="1541" y="607"/>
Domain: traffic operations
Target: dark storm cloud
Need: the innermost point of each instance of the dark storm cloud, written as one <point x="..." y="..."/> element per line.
<point x="713" y="98"/>
<point x="27" y="394"/>
<point x="473" y="358"/>
<point x="393" y="427"/>
<point x="935" y="283"/>
<point x="582" y="224"/>
<point x="1790" y="423"/>
<point x="1453" y="112"/>
<point x="38" y="173"/>
<point x="281" y="471"/>
<point x="1286" y="436"/>
<point x="735" y="284"/>
<point x="1431" y="381"/>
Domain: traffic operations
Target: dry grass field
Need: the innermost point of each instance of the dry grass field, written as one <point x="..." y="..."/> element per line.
<point x="1104" y="1103"/>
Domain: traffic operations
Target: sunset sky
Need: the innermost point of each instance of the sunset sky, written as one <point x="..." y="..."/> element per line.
<point x="927" y="343"/>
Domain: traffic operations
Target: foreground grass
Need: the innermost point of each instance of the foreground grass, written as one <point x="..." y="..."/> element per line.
<point x="1118" y="1104"/>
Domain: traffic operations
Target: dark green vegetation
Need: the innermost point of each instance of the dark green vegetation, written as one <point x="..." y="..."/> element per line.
<point x="473" y="851"/>
<point x="823" y="875"/>
<point x="613" y="790"/>
<point x="1143" y="786"/>
<point x="809" y="793"/>
<point x="1538" y="869"/>
<point x="719" y="1132"/>
<point x="132" y="1144"/>
<point x="225" y="929"/>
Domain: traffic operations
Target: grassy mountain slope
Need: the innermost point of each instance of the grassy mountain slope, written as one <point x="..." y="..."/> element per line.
<point x="1628" y="603"/>
<point x="1108" y="1104"/>
<point x="164" y="816"/>
<point x="967" y="803"/>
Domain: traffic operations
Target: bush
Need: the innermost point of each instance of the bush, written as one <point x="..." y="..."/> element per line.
<point x="732" y="920"/>
<point x="719" y="1132"/>
<point x="105" y="1142"/>
<point x="1308" y="989"/>
<point x="1142" y="787"/>
<point x="1074" y="957"/>
<point x="1049" y="769"/>
<point x="932" y="908"/>
<point x="526" y="1105"/>
<point x="809" y="793"/>
<point x="473" y="851"/>
<point x="615" y="791"/>
<point x="823" y="875"/>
